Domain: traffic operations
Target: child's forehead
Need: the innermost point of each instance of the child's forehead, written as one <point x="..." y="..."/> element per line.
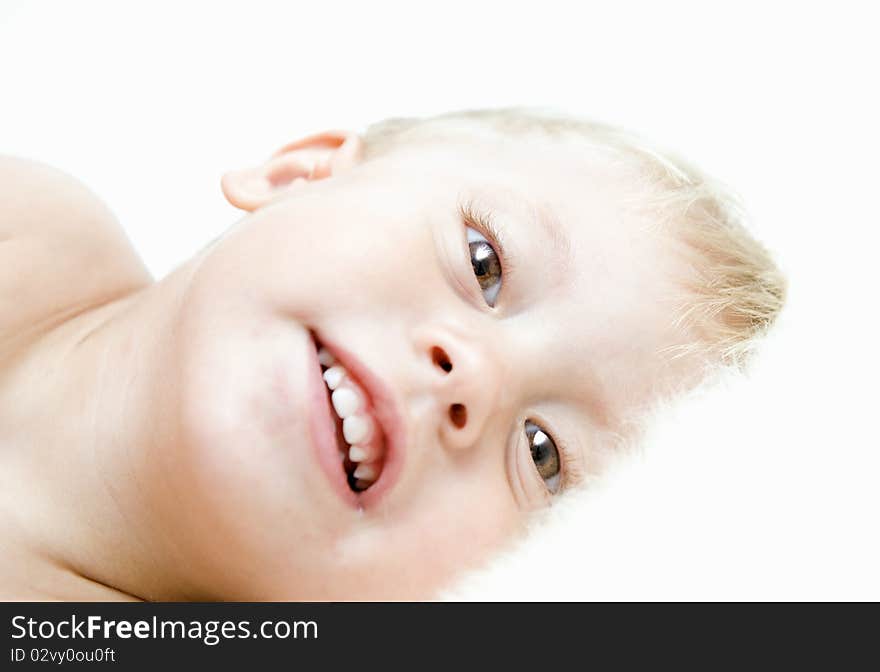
<point x="608" y="317"/>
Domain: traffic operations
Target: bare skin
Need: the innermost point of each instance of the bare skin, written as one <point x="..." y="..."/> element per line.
<point x="65" y="267"/>
<point x="150" y="432"/>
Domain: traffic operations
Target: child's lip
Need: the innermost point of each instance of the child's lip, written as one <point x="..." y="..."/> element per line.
<point x="385" y="411"/>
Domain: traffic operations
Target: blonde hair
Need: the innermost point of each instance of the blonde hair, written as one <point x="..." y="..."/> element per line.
<point x="734" y="291"/>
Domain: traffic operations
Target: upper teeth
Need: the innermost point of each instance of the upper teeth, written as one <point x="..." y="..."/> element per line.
<point x="333" y="376"/>
<point x="357" y="428"/>
<point x="346" y="402"/>
<point x="349" y="402"/>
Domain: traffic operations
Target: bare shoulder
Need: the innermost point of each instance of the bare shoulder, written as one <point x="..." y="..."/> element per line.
<point x="62" y="251"/>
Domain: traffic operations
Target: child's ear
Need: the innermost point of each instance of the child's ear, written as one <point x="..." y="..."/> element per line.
<point x="294" y="165"/>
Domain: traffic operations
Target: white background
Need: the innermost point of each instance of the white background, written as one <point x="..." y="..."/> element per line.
<point x="767" y="491"/>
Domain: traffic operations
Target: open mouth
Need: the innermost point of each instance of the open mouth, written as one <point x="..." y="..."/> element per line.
<point x="360" y="438"/>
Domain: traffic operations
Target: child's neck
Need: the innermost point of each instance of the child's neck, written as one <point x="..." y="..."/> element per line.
<point x="78" y="419"/>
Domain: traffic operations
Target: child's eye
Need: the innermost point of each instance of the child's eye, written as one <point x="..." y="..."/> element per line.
<point x="486" y="265"/>
<point x="545" y="456"/>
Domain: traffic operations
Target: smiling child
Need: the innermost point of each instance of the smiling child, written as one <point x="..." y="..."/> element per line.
<point x="414" y="338"/>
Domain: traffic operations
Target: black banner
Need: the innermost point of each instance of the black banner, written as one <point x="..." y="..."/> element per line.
<point x="240" y="636"/>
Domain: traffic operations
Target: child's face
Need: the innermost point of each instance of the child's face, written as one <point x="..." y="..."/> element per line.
<point x="376" y="263"/>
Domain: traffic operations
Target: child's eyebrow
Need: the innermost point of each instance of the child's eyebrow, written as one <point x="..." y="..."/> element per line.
<point x="544" y="218"/>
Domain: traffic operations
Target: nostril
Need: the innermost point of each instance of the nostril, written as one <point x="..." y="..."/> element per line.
<point x="458" y="415"/>
<point x="441" y="359"/>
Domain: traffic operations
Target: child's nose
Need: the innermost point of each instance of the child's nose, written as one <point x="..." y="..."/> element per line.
<point x="465" y="380"/>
